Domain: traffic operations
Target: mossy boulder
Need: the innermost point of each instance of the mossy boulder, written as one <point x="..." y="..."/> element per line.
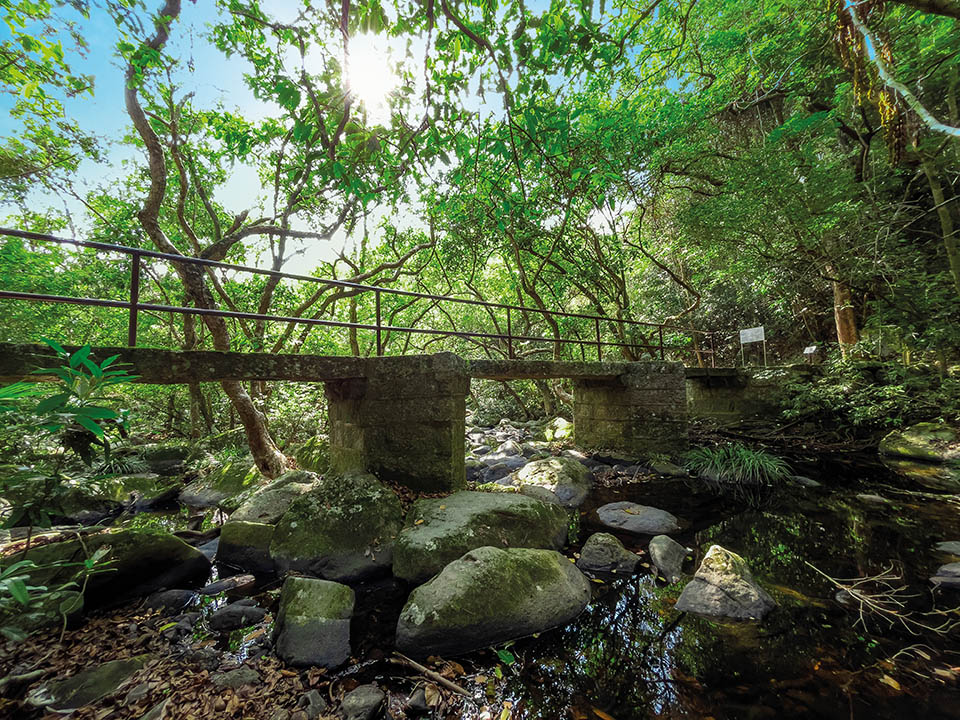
<point x="440" y="530"/>
<point x="222" y="483"/>
<point x="604" y="553"/>
<point x="931" y="442"/>
<point x="246" y="546"/>
<point x="139" y="561"/>
<point x="165" y="458"/>
<point x="343" y="529"/>
<point x="558" y="429"/>
<point x="724" y="587"/>
<point x="87" y="686"/>
<point x="268" y="503"/>
<point x="314" y="455"/>
<point x="566" y="478"/>
<point x="489" y="596"/>
<point x="313" y="622"/>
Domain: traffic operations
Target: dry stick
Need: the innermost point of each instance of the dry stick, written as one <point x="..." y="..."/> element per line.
<point x="403" y="660"/>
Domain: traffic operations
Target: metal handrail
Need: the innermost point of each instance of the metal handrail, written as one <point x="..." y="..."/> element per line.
<point x="134" y="305"/>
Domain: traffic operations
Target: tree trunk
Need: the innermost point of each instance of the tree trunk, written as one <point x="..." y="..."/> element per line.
<point x="950" y="241"/>
<point x="844" y="316"/>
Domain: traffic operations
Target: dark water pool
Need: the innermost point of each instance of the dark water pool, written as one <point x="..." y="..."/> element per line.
<point x="630" y="655"/>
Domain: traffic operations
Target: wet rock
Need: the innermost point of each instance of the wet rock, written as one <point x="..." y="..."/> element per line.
<point x="805" y="481"/>
<point x="228" y="584"/>
<point x="497" y="472"/>
<point x="221" y="483"/>
<point x="341" y="530"/>
<point x="170" y="600"/>
<point x="206" y="657"/>
<point x="234" y="679"/>
<point x="481" y="450"/>
<point x="246" y="546"/>
<point x="489" y="596"/>
<point x="932" y="442"/>
<point x="949" y="546"/>
<point x="137" y="694"/>
<point x="209" y="549"/>
<point x="235" y="616"/>
<point x="417" y="702"/>
<point x="558" y="429"/>
<point x="142" y="561"/>
<point x="637" y="519"/>
<point x="165" y="458"/>
<point x="948" y="576"/>
<point x="668" y="469"/>
<point x="267" y="504"/>
<point x="473" y="468"/>
<point x="314" y="454"/>
<point x="724" y="587"/>
<point x="313" y="622"/>
<point x="602" y="552"/>
<point x="566" y="478"/>
<point x="438" y="531"/>
<point x="871" y="499"/>
<point x="313" y="704"/>
<point x="668" y="556"/>
<point x="363" y="703"/>
<point x="87" y="686"/>
<point x="935" y="476"/>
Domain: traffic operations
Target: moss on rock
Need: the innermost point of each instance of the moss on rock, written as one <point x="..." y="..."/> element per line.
<point x="314" y="455"/>
<point x="438" y="531"/>
<point x="566" y="478"/>
<point x="222" y="483"/>
<point x="488" y="596"/>
<point x="932" y="442"/>
<point x="343" y="529"/>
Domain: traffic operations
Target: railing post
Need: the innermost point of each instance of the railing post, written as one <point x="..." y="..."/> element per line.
<point x="509" y="336"/>
<point x="661" y="342"/>
<point x="376" y="295"/>
<point x="713" y="352"/>
<point x="599" y="349"/>
<point x="134" y="299"/>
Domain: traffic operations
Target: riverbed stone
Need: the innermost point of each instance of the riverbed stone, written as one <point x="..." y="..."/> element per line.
<point x="668" y="469"/>
<point x="489" y="596"/>
<point x="637" y="519"/>
<point x="172" y="601"/>
<point x="222" y="482"/>
<point x="440" y="530"/>
<point x="932" y="442"/>
<point x="362" y="703"/>
<point x="668" y="556"/>
<point x="602" y="552"/>
<point x="313" y="622"/>
<point x="948" y="576"/>
<point x="237" y="678"/>
<point x="165" y="458"/>
<point x="949" y="546"/>
<point x="87" y="686"/>
<point x="267" y="504"/>
<point x="558" y="429"/>
<point x="724" y="587"/>
<point x="343" y="529"/>
<point x="141" y="561"/>
<point x="246" y="546"/>
<point x="235" y="616"/>
<point x="565" y="477"/>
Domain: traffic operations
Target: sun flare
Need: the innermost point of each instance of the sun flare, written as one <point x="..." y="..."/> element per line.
<point x="371" y="78"/>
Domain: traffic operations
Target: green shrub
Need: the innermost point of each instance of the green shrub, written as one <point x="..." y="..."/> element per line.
<point x="738" y="470"/>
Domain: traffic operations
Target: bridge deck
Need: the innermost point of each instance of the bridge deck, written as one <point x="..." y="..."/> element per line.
<point x="169" y="367"/>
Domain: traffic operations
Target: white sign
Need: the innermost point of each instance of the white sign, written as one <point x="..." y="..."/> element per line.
<point x="750" y="335"/>
<point x="810" y="350"/>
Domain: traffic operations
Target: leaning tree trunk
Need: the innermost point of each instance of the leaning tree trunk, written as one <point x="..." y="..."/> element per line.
<point x="844" y="316"/>
<point x="269" y="460"/>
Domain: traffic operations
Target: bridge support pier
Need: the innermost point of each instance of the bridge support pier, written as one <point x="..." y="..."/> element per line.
<point x="642" y="411"/>
<point x="404" y="421"/>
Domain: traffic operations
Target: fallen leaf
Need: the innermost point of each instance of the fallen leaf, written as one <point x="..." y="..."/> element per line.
<point x="431" y="694"/>
<point x="887" y="680"/>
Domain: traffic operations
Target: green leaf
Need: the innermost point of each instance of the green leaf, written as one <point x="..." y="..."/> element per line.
<point x="93" y="368"/>
<point x="94" y="411"/>
<point x="506" y="657"/>
<point x="52" y="403"/>
<point x="58" y="348"/>
<point x="79" y="356"/>
<point x="90" y="425"/>
<point x="18" y="589"/>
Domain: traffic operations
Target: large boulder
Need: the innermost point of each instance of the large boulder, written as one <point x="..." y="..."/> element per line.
<point x="637" y="519"/>
<point x="489" y="596"/>
<point x="165" y="458"/>
<point x="558" y="429"/>
<point x="246" y="546"/>
<point x="268" y="503"/>
<point x="313" y="622"/>
<point x="932" y="442"/>
<point x="343" y="529"/>
<point x="137" y="562"/>
<point x="441" y="530"/>
<point x="724" y="587"/>
<point x="668" y="556"/>
<point x="603" y="553"/>
<point x="566" y="478"/>
<point x="87" y="686"/>
<point x="223" y="482"/>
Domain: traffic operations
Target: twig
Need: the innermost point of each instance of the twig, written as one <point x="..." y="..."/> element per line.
<point x="22" y="678"/>
<point x="404" y="661"/>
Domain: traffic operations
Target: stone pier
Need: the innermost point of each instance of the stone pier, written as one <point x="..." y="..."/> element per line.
<point x="641" y="411"/>
<point x="403" y="421"/>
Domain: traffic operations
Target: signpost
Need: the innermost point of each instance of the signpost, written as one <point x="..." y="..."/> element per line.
<point x="810" y="353"/>
<point x="752" y="335"/>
